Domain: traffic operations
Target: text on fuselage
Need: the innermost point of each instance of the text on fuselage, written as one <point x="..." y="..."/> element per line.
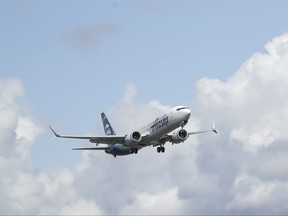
<point x="160" y="122"/>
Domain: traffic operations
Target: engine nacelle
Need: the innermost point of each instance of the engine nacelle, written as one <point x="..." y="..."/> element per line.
<point x="180" y="136"/>
<point x="133" y="138"/>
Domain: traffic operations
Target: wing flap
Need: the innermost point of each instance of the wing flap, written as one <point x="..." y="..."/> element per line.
<point x="108" y="139"/>
<point x="92" y="148"/>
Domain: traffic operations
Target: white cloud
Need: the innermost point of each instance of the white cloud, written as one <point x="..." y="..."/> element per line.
<point x="24" y="191"/>
<point x="252" y="109"/>
<point x="254" y="98"/>
<point x="26" y="133"/>
<point x="81" y="207"/>
<point x="10" y="92"/>
<point x="164" y="203"/>
<point x="253" y="140"/>
<point x="250" y="192"/>
<point x="254" y="195"/>
<point x="27" y="130"/>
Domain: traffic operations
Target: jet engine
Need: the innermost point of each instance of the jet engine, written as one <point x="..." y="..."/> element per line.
<point x="180" y="136"/>
<point x="133" y="138"/>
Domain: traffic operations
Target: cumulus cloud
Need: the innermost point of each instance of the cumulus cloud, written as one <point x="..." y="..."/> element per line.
<point x="253" y="111"/>
<point x="24" y="191"/>
<point x="154" y="204"/>
<point x="254" y="97"/>
<point x="241" y="170"/>
<point x="11" y="90"/>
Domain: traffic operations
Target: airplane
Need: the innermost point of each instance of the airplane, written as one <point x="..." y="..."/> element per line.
<point x="167" y="128"/>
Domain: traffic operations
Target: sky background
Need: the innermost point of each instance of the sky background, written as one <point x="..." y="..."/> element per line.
<point x="64" y="62"/>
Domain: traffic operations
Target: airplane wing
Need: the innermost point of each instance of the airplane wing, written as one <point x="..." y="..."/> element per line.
<point x="205" y="131"/>
<point x="107" y="139"/>
<point x="92" y="148"/>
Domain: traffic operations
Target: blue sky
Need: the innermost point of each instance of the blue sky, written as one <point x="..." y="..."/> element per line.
<point x="162" y="47"/>
<point x="75" y="59"/>
<point x="150" y="44"/>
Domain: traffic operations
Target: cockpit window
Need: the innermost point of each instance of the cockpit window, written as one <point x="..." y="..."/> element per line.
<point x="181" y="108"/>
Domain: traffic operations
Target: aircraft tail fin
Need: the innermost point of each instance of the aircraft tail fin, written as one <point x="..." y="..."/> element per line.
<point x="107" y="126"/>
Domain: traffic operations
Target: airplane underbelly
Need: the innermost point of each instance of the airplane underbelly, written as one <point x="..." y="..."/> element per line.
<point x="119" y="149"/>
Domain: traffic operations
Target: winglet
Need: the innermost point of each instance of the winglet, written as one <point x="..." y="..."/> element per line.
<point x="57" y="135"/>
<point x="213" y="128"/>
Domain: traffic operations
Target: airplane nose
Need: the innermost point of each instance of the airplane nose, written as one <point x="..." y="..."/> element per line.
<point x="187" y="113"/>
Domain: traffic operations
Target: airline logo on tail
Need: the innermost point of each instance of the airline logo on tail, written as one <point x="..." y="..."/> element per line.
<point x="107" y="126"/>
